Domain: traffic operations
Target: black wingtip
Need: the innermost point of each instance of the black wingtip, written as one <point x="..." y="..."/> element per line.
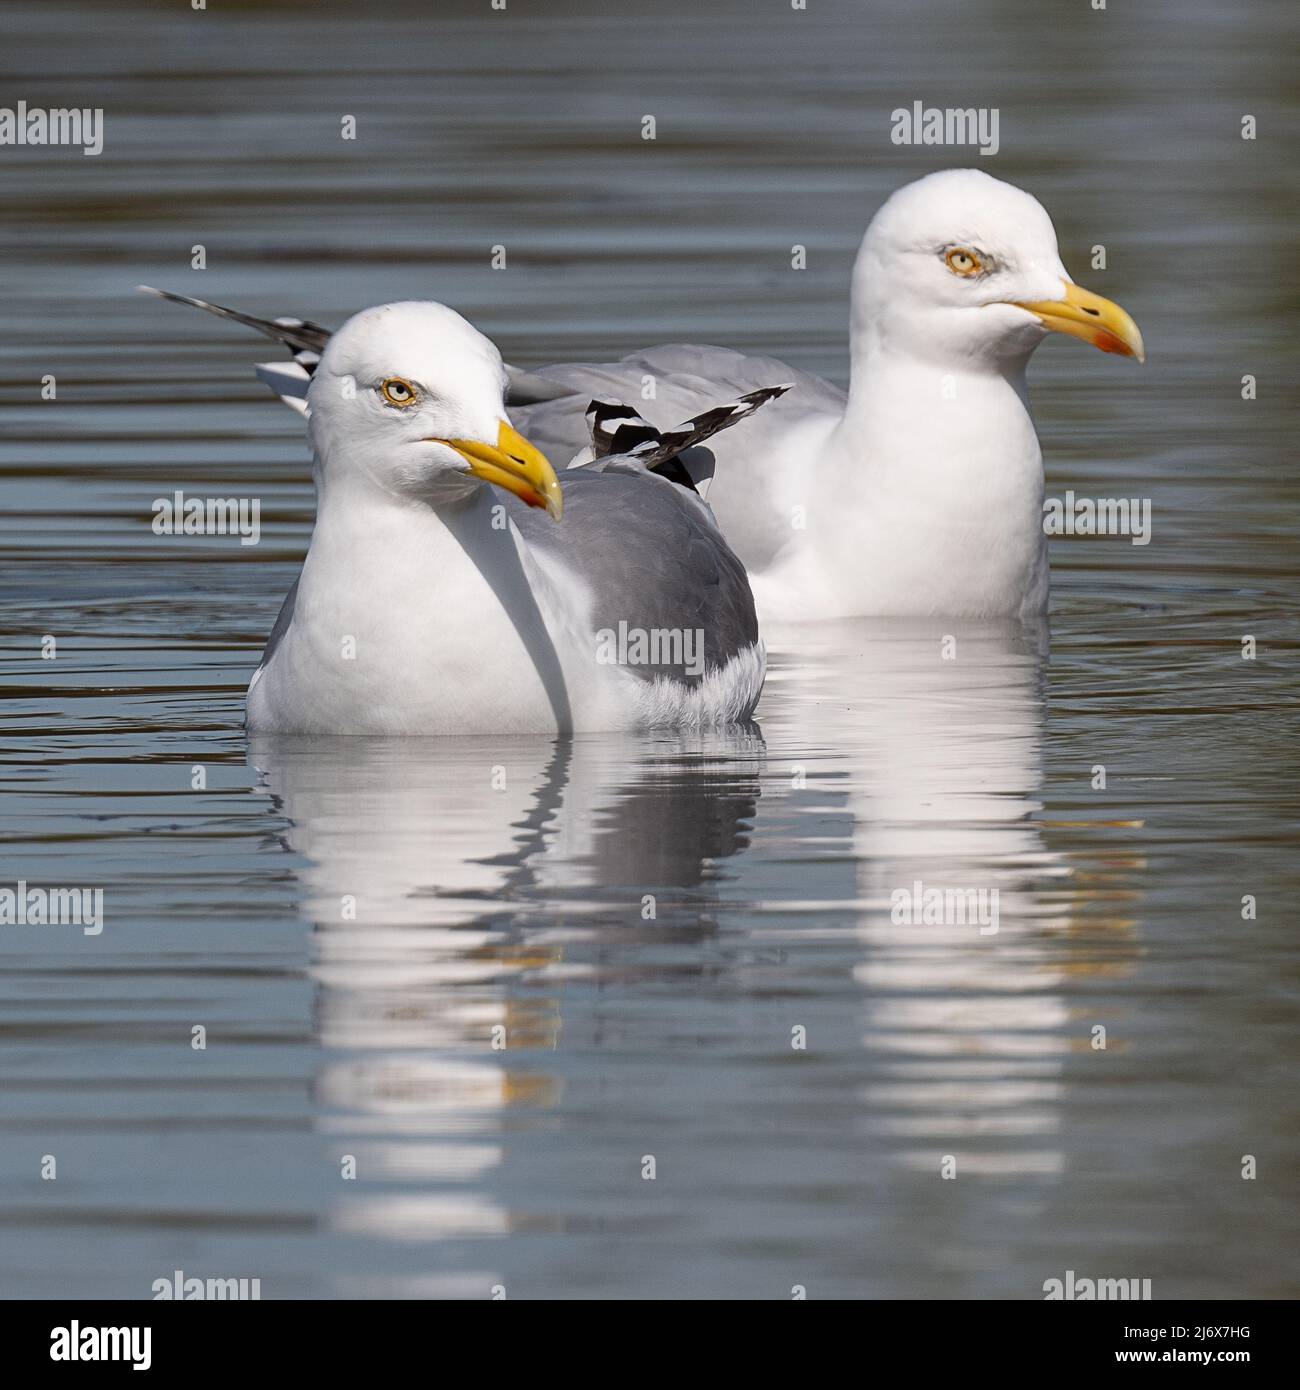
<point x="299" y="335"/>
<point x="167" y="294"/>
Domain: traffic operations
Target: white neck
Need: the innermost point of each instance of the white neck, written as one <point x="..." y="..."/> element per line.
<point x="425" y="594"/>
<point x="938" y="468"/>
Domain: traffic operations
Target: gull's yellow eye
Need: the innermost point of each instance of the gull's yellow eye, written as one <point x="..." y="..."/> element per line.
<point x="398" y="392"/>
<point x="963" y="262"/>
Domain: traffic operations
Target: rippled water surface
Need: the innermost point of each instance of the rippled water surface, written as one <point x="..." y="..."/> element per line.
<point x="357" y="924"/>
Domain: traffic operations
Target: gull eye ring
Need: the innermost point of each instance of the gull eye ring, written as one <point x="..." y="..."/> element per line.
<point x="398" y="392"/>
<point x="963" y="261"/>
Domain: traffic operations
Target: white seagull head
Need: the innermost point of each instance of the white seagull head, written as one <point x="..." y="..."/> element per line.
<point x="409" y="399"/>
<point x="962" y="270"/>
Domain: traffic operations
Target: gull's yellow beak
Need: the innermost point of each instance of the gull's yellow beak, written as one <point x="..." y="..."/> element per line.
<point x="1084" y="315"/>
<point x="516" y="465"/>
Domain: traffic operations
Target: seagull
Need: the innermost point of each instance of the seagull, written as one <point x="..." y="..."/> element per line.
<point x="440" y="596"/>
<point x="920" y="491"/>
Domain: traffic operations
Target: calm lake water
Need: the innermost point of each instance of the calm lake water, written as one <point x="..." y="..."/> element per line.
<point x="499" y="884"/>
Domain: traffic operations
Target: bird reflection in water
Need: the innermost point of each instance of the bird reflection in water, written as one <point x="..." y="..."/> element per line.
<point x="457" y="887"/>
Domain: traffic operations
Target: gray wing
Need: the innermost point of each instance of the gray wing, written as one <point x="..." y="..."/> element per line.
<point x="653" y="558"/>
<point x="686" y="379"/>
<point x="282" y="622"/>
